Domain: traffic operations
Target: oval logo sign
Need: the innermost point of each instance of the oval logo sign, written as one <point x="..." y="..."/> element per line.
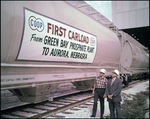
<point x="36" y="24"/>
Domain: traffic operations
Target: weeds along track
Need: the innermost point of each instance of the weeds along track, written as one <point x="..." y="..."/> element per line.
<point x="45" y="109"/>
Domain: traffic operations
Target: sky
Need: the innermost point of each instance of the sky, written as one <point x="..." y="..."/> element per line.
<point x="104" y="7"/>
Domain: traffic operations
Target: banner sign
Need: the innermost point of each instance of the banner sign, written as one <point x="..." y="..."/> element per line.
<point x="47" y="39"/>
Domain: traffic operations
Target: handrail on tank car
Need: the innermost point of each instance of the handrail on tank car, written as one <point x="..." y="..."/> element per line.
<point x="60" y="66"/>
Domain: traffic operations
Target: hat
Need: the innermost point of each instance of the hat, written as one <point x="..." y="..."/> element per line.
<point x="116" y="71"/>
<point x="103" y="71"/>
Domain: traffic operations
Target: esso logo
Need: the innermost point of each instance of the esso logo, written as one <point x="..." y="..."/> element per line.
<point x="92" y="41"/>
<point x="36" y="24"/>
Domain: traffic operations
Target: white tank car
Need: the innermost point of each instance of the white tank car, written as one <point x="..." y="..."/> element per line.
<point x="134" y="61"/>
<point x="44" y="44"/>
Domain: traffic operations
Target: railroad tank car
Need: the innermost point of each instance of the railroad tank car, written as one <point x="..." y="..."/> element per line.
<point x="134" y="61"/>
<point x="44" y="44"/>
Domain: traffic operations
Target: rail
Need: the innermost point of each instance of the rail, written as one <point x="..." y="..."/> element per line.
<point x="67" y="106"/>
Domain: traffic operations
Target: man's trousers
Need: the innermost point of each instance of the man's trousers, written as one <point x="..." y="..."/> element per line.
<point x="112" y="107"/>
<point x="98" y="94"/>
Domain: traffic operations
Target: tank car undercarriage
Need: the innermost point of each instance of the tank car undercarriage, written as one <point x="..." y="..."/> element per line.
<point x="41" y="93"/>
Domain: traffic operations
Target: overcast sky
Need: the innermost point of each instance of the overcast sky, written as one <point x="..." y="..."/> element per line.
<point x="104" y="7"/>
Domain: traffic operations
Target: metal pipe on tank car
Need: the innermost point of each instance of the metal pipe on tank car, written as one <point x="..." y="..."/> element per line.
<point x="59" y="66"/>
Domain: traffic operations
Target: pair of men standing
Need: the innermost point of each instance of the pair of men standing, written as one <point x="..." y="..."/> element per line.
<point x="110" y="89"/>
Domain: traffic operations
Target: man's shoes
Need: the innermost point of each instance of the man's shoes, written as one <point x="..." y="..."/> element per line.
<point x="92" y="116"/>
<point x="101" y="117"/>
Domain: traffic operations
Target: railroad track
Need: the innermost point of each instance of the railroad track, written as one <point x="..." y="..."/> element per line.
<point x="45" y="109"/>
<point x="71" y="103"/>
<point x="49" y="108"/>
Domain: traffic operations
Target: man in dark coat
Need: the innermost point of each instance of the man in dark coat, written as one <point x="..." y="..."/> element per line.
<point x="113" y="91"/>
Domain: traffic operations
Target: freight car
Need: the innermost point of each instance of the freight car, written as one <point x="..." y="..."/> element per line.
<point x="44" y="44"/>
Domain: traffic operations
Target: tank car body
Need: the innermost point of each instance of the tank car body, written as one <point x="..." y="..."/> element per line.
<point x="47" y="43"/>
<point x="29" y="30"/>
<point x="134" y="61"/>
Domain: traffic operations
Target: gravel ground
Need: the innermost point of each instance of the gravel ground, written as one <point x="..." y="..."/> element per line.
<point x="126" y="94"/>
<point x="147" y="114"/>
<point x="86" y="112"/>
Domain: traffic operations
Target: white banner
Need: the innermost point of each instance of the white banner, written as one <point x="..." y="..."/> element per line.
<point x="46" y="39"/>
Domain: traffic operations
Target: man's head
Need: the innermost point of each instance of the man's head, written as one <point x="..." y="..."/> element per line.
<point x="115" y="73"/>
<point x="102" y="72"/>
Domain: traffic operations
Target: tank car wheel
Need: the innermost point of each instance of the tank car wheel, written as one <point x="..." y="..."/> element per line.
<point x="126" y="83"/>
<point x="129" y="79"/>
<point x="146" y="76"/>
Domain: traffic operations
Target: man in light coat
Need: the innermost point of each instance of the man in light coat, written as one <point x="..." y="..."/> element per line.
<point x="99" y="92"/>
<point x="113" y="91"/>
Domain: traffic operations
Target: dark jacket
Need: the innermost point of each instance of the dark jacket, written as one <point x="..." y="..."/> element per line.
<point x="115" y="89"/>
